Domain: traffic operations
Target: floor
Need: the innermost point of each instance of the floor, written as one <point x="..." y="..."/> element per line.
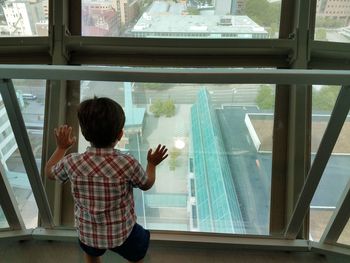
<point x="36" y="251"/>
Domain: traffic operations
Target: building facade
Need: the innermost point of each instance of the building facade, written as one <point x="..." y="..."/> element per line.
<point x="335" y="9"/>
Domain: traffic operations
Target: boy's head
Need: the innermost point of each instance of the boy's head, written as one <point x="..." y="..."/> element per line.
<point x="101" y="121"/>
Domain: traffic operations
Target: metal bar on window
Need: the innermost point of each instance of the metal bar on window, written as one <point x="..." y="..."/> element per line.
<point x="339" y="218"/>
<point x="176" y="75"/>
<point x="14" y="114"/>
<point x="337" y="119"/>
<point x="162" y="46"/>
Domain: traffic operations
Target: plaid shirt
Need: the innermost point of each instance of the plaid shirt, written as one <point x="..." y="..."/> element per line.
<point x="102" y="182"/>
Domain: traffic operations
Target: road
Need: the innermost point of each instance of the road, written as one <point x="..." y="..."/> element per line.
<point x="187" y="94"/>
<point x="335" y="36"/>
<point x="180" y="93"/>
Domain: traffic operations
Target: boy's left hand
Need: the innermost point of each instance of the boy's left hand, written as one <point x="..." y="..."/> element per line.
<point x="158" y="155"/>
<point x="64" y="138"/>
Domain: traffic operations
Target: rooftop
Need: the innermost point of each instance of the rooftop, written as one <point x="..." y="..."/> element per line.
<point x="169" y="17"/>
<point x="195" y="23"/>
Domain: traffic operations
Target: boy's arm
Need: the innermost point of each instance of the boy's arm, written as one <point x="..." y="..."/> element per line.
<point x="153" y="160"/>
<point x="64" y="141"/>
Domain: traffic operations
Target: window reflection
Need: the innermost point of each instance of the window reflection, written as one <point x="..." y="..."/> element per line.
<point x="217" y="176"/>
<point x="181" y="19"/>
<point x="24" y="18"/>
<point x="31" y="99"/>
<point x="332" y="20"/>
<point x="337" y="173"/>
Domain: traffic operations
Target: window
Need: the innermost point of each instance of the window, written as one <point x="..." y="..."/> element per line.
<point x="219" y="139"/>
<point x="332" y="22"/>
<point x="33" y="114"/>
<point x="24" y="18"/>
<point x="337" y="173"/>
<point x="192" y="19"/>
<point x="3" y="221"/>
<point x="345" y="235"/>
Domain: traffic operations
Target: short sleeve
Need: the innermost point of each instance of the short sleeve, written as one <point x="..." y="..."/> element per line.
<point x="59" y="170"/>
<point x="139" y="176"/>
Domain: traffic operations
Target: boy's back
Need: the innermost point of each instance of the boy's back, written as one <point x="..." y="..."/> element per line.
<point x="102" y="181"/>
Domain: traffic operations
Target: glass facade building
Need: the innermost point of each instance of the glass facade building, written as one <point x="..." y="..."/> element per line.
<point x="218" y="208"/>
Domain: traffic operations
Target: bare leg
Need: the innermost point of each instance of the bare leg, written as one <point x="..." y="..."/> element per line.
<point x="91" y="259"/>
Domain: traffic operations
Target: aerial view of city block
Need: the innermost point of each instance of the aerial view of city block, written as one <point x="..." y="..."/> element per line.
<point x="175" y="18"/>
<point x="218" y="175"/>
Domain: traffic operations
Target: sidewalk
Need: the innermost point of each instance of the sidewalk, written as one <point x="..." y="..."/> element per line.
<point x="165" y="130"/>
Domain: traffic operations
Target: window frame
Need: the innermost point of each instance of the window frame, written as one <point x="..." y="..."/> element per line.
<point x="295" y="49"/>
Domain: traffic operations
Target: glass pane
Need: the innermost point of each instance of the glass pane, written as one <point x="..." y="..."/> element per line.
<point x="345" y="235"/>
<point x="3" y="221"/>
<point x="24" y="18"/>
<point x="217" y="176"/>
<point x="31" y="98"/>
<point x="337" y="172"/>
<point x="332" y="20"/>
<point x="182" y="19"/>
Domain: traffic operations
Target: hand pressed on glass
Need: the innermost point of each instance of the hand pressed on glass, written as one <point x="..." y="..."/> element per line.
<point x="158" y="155"/>
<point x="64" y="138"/>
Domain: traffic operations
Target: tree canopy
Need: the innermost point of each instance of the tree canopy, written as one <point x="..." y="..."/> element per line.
<point x="263" y="13"/>
<point x="265" y="98"/>
<point x="159" y="108"/>
<point x="324" y="99"/>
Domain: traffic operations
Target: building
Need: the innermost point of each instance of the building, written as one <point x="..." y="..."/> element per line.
<point x="21" y="17"/>
<point x="99" y="19"/>
<point x="7" y="140"/>
<point x="128" y="10"/>
<point x="182" y="66"/>
<point x="171" y="20"/>
<point x="336" y="9"/>
<point x="215" y="202"/>
<point x="175" y="26"/>
<point x="229" y="7"/>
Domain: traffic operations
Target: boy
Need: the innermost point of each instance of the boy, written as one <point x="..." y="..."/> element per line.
<point x="102" y="181"/>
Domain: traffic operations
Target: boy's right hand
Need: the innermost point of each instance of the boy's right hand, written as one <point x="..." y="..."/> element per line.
<point x="157" y="156"/>
<point x="64" y="138"/>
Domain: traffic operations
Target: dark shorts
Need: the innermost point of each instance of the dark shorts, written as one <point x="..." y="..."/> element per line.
<point x="134" y="247"/>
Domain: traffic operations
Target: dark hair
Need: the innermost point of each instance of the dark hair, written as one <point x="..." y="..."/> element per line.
<point x="101" y="121"/>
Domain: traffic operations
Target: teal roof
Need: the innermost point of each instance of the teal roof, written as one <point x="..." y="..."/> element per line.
<point x="134" y="116"/>
<point x="218" y="209"/>
<point x="161" y="200"/>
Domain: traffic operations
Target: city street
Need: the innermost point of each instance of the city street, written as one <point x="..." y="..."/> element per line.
<point x="179" y="93"/>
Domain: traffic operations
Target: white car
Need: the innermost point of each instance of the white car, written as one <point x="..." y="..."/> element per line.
<point x="28" y="96"/>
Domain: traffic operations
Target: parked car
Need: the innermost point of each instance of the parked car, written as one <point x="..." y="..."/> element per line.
<point x="28" y="96"/>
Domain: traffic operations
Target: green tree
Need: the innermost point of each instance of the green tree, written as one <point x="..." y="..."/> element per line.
<point x="173" y="155"/>
<point x="273" y="30"/>
<point x="263" y="12"/>
<point x="325" y="98"/>
<point x="192" y="11"/>
<point x="157" y="108"/>
<point x="174" y="152"/>
<point x="172" y="164"/>
<point x="329" y="22"/>
<point x="321" y="34"/>
<point x="265" y="98"/>
<point x="169" y="108"/>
